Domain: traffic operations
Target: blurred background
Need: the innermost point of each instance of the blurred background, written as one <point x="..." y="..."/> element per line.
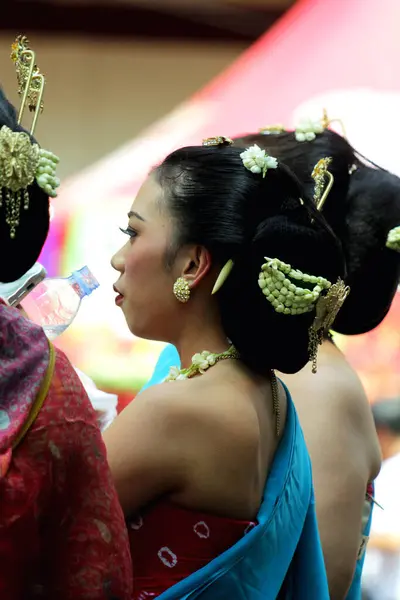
<point x="130" y="80"/>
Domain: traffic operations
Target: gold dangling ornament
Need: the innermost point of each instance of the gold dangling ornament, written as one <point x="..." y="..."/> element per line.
<point x="181" y="290"/>
<point x="327" y="308"/>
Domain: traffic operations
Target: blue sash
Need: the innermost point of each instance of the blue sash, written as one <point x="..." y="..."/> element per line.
<point x="281" y="556"/>
<point x="355" y="589"/>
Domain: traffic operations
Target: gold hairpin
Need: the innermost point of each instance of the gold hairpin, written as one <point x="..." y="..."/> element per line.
<point x="30" y="81"/>
<point x="327" y="122"/>
<point x="319" y="174"/>
<point x="219" y="140"/>
<point x="272" y="129"/>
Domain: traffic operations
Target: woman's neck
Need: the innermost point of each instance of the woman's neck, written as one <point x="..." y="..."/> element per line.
<point x="196" y="337"/>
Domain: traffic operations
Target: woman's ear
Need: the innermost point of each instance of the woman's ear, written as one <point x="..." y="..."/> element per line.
<point x="197" y="265"/>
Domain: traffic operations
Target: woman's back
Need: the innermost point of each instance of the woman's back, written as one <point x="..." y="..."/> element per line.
<point x="341" y="438"/>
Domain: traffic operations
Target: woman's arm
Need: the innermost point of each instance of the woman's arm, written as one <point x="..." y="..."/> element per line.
<point x="146" y="447"/>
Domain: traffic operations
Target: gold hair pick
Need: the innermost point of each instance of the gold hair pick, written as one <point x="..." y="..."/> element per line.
<point x="327" y="122"/>
<point x="219" y="140"/>
<point x="319" y="174"/>
<point x="272" y="129"/>
<point x="223" y="275"/>
<point x="30" y="81"/>
<point x="327" y="308"/>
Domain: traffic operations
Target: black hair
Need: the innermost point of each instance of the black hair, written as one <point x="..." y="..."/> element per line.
<point x="218" y="203"/>
<point x="386" y="414"/>
<point x="362" y="207"/>
<point x="19" y="254"/>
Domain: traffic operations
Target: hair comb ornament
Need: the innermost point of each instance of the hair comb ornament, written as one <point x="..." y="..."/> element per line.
<point x="320" y="174"/>
<point x="327" y="308"/>
<point x="219" y="140"/>
<point x="393" y="239"/>
<point x="21" y="161"/>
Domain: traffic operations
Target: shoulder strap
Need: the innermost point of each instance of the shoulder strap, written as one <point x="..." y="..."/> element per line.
<point x="40" y="398"/>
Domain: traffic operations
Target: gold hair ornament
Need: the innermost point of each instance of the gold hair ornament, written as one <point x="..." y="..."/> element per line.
<point x="21" y="161"/>
<point x="272" y="129"/>
<point x="327" y="122"/>
<point x="320" y="174"/>
<point x="30" y="81"/>
<point x="219" y="140"/>
<point x="393" y="239"/>
<point x="327" y="309"/>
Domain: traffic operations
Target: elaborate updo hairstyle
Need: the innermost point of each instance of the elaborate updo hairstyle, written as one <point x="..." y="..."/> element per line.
<point x="362" y="207"/>
<point x="236" y="214"/>
<point x="19" y="254"/>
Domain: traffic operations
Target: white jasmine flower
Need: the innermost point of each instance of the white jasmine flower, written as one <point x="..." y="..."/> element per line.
<point x="257" y="160"/>
<point x="307" y="129"/>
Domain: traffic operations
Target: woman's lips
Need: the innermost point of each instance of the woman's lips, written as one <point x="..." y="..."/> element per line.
<point x="120" y="298"/>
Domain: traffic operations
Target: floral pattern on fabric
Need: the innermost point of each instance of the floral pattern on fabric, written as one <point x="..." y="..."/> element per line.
<point x="24" y="358"/>
<point x="62" y="533"/>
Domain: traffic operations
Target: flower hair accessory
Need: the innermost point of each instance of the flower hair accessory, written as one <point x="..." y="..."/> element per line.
<point x="257" y="160"/>
<point x="278" y="282"/>
<point x="21" y="161"/>
<point x="307" y="130"/>
<point x="393" y="239"/>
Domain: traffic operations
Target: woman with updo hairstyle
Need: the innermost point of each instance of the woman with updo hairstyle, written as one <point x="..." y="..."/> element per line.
<point x="226" y="259"/>
<point x="362" y="208"/>
<point x="62" y="532"/>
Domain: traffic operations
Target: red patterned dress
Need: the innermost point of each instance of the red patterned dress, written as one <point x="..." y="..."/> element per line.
<point x="62" y="533"/>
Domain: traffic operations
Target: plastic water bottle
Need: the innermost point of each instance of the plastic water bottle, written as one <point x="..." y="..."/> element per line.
<point x="54" y="303"/>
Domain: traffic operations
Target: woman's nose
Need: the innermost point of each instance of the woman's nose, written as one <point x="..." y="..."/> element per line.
<point x="118" y="260"/>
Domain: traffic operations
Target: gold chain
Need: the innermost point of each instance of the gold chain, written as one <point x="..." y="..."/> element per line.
<point x="275" y="402"/>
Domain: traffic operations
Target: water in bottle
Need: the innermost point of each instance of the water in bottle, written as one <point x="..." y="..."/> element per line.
<point x="55" y="302"/>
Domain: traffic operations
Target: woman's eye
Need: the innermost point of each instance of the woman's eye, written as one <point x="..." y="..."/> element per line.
<point x="129" y="231"/>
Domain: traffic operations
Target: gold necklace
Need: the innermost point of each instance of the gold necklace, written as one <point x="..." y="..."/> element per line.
<point x="204" y="360"/>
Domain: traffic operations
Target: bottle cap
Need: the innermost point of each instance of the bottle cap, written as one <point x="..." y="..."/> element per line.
<point x="85" y="280"/>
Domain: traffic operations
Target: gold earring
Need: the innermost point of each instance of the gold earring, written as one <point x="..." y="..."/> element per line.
<point x="181" y="290"/>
